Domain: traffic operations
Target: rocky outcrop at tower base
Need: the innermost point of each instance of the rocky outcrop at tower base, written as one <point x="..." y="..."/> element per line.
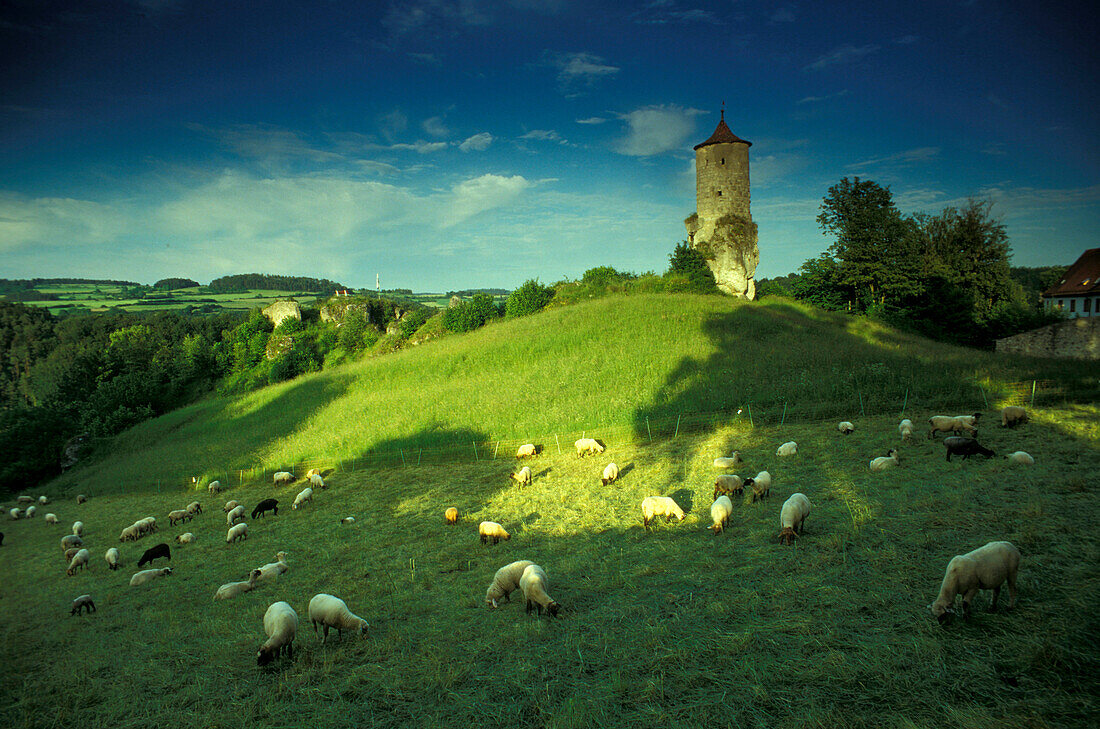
<point x="281" y="310"/>
<point x="729" y="245"/>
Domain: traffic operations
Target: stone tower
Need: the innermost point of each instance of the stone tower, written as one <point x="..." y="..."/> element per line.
<point x="721" y="227"/>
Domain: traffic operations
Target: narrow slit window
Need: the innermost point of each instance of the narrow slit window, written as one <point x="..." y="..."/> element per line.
<point x="719" y="193"/>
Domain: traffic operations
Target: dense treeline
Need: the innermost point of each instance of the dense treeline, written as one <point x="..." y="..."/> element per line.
<point x="9" y="286"/>
<point x="245" y="281"/>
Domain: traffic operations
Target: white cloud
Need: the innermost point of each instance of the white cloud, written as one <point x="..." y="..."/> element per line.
<point x="546" y="135"/>
<point x="578" y="71"/>
<point x="478" y="142"/>
<point x="919" y="154"/>
<point x="826" y="97"/>
<point x="435" y="127"/>
<point x="52" y="221"/>
<point x="843" y="54"/>
<point x="593" y="120"/>
<point x="656" y="129"/>
<point x="470" y="197"/>
<point x="419" y="146"/>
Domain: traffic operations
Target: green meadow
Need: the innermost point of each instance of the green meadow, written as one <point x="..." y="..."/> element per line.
<point x="671" y="628"/>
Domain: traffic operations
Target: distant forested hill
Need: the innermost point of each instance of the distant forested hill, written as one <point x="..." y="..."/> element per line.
<point x="12" y="286"/>
<point x="245" y="281"/>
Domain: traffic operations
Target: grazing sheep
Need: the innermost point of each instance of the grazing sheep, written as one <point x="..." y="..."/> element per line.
<point x="232" y="589"/>
<point x="271" y="570"/>
<point x="728" y="484"/>
<point x="130" y="534"/>
<point x="140" y="578"/>
<point x="113" y="559"/>
<point x="610" y="474"/>
<point x="24" y="500"/>
<point x="30" y="512"/>
<point x="793" y="518"/>
<point x="265" y="506"/>
<point x="348" y="520"/>
<point x="1013" y="415"/>
<point x="71" y="540"/>
<point x="80" y="559"/>
<point x="986" y="568"/>
<point x="965" y="447"/>
<point x="505" y="581"/>
<point x="185" y="538"/>
<point x="15" y="513"/>
<point x="214" y="487"/>
<point x="313" y="472"/>
<point x="720" y="512"/>
<point x="1022" y="458"/>
<point x="81" y="498"/>
<point x="50" y="518"/>
<point x="304" y="496"/>
<point x="236" y="533"/>
<point x="491" y="530"/>
<point x="654" y="506"/>
<point x="235" y="515"/>
<point x="953" y="424"/>
<point x="230" y="506"/>
<point x="42" y="500"/>
<point x="728" y="461"/>
<point x="527" y="450"/>
<point x="332" y="612"/>
<point x="588" y="446"/>
<point x="155" y="552"/>
<point x="790" y="448"/>
<point x="523" y="476"/>
<point x="450" y="516"/>
<point x="845" y="427"/>
<point x="178" y="515"/>
<point x="84" y="602"/>
<point x="281" y="626"/>
<point x="194" y="508"/>
<point x="282" y="477"/>
<point x="317" y="482"/>
<point x="905" y="429"/>
<point x="70" y="553"/>
<point x="148" y="525"/>
<point x="535" y="585"/>
<point x="883" y="462"/>
<point x="761" y="486"/>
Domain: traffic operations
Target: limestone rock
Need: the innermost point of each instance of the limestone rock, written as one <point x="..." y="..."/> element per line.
<point x="73" y="450"/>
<point x="281" y="310"/>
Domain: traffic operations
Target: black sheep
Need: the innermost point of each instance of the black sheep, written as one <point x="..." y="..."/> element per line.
<point x="266" y="505"/>
<point x="160" y="550"/>
<point x="965" y="447"/>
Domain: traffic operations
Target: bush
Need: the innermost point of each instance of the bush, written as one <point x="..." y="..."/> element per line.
<point x="470" y="315"/>
<point x="414" y="320"/>
<point x="687" y="262"/>
<point x="528" y="299"/>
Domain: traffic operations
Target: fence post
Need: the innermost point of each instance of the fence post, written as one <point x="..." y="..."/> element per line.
<point x="648" y="430"/>
<point x="474" y="444"/>
<point x="559" y="444"/>
<point x="402" y="452"/>
<point x="495" y="450"/>
<point x="677" y="426"/>
<point x="418" y="454"/>
<point x="748" y="406"/>
<point x="905" y="403"/>
<point x="861" y="403"/>
<point x="1033" y="393"/>
<point x="783" y="419"/>
<point x="984" y="399"/>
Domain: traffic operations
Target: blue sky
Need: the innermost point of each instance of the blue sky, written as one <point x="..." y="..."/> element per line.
<point x="448" y="144"/>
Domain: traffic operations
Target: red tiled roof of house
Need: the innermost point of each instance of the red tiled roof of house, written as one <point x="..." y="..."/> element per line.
<point x="722" y="135"/>
<point x="1083" y="277"/>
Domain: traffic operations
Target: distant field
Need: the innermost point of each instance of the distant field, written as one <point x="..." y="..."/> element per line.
<point x="92" y="298"/>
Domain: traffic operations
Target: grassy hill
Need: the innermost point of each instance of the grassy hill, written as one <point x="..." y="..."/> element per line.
<point x="671" y="628"/>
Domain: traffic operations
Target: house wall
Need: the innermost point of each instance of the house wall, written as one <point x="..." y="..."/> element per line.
<point x="1073" y="306"/>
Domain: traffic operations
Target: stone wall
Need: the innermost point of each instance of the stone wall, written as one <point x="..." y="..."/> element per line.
<point x="1075" y="339"/>
<point x="722" y="228"/>
<point x="722" y="181"/>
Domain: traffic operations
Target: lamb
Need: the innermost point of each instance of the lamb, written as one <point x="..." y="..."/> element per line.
<point x="30" y="512"/>
<point x="81" y="498"/>
<point x="265" y="506"/>
<point x="332" y="612"/>
<point x="178" y="515"/>
<point x="451" y="515"/>
<point x="1012" y="416"/>
<point x="728" y="461"/>
<point x="71" y="540"/>
<point x="720" y="512"/>
<point x="965" y="447"/>
<point x="790" y="448"/>
<point x="214" y="487"/>
<point x="845" y="427"/>
<point x="527" y="450"/>
<point x="281" y="626"/>
<point x="535" y="584"/>
<point x="113" y="559"/>
<point x="84" y="602"/>
<point x="793" y="518"/>
<point x="282" y="477"/>
<point x="271" y="570"/>
<point x="883" y="462"/>
<point x="140" y="578"/>
<point x="1021" y="458"/>
<point x="654" y="506"/>
<point x="523" y="476"/>
<point x="905" y="429"/>
<point x="317" y="482"/>
<point x="155" y="552"/>
<point x="194" y="508"/>
<point x="588" y="446"/>
<point x="78" y="528"/>
<point x="304" y="496"/>
<point x="985" y="568"/>
<point x="235" y="515"/>
<point x="236" y="533"/>
<point x="506" y="581"/>
<point x="185" y="538"/>
<point x="231" y="589"/>
<point x="491" y="530"/>
<point x="230" y="506"/>
<point x="51" y="518"/>
<point x="80" y="559"/>
<point x="952" y="424"/>
<point x="761" y="486"/>
<point x="728" y="484"/>
<point x="610" y="474"/>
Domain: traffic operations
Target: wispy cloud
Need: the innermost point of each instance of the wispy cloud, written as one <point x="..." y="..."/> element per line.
<point x="665" y="12"/>
<point x="477" y="143"/>
<point x="842" y="54"/>
<point x="593" y="120"/>
<point x="909" y="156"/>
<point x="819" y="99"/>
<point x="470" y="197"/>
<point x="432" y="16"/>
<point x="578" y="71"/>
<point x="545" y="135"/>
<point x="435" y="127"/>
<point x="656" y="129"/>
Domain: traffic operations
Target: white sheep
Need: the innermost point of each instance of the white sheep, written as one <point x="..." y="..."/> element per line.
<point x="450" y="516"/>
<point x="491" y="530"/>
<point x="78" y="528"/>
<point x="728" y="461"/>
<point x="304" y="496"/>
<point x="985" y="568"/>
<point x="194" y="508"/>
<point x="235" y="514"/>
<point x="313" y="472"/>
<point x="728" y="484"/>
<point x="186" y="538"/>
<point x="1013" y="415"/>
<point x="51" y="518"/>
<point x="952" y="424"/>
<point x="527" y="450"/>
<point x="80" y="559"/>
<point x="506" y="581"/>
<point x="332" y="612"/>
<point x="230" y="506"/>
<point x="588" y="446"/>
<point x="905" y="429"/>
<point x="148" y="525"/>
<point x="42" y="500"/>
<point x="84" y="602"/>
<point x="792" y="518"/>
<point x="214" y="487"/>
<point x="236" y="533"/>
<point x="70" y="553"/>
<point x="790" y="448"/>
<point x="281" y="626"/>
<point x="113" y="559"/>
<point x="71" y="540"/>
<point x="654" y="506"/>
<point x="535" y="584"/>
<point x="610" y="474"/>
<point x="140" y="578"/>
<point x="348" y="520"/>
<point x="15" y="513"/>
<point x="81" y="498"/>
<point x="1021" y="458"/>
<point x="30" y="512"/>
<point x="231" y="589"/>
<point x="720" y="512"/>
<point x="282" y="477"/>
<point x="316" y="481"/>
<point x="761" y="486"/>
<point x="130" y="534"/>
<point x="178" y="515"/>
<point x="24" y="500"/>
<point x="845" y="427"/>
<point x="271" y="570"/>
<point x="888" y="461"/>
<point x="523" y="476"/>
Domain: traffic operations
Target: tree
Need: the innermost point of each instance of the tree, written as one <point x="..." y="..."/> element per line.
<point x="528" y="299"/>
<point x="470" y="315"/>
<point x="969" y="248"/>
<point x="690" y="263"/>
<point x="819" y="283"/>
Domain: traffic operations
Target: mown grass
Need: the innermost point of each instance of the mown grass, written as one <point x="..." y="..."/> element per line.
<point x="667" y="629"/>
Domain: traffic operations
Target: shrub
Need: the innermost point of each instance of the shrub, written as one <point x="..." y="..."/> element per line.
<point x="690" y="263"/>
<point x="528" y="299"/>
<point x="414" y="320"/>
<point x="470" y="315"/>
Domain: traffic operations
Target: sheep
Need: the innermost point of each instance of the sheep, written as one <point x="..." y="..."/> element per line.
<point x="81" y="498"/>
<point x="185" y="538"/>
<point x="178" y="515"/>
<point x="42" y="500"/>
<point x="610" y="474"/>
<point x="265" y="506"/>
<point x="70" y="553"/>
<point x="313" y="472"/>
<point x="654" y="506"/>
<point x="491" y="530"/>
<point x="450" y="516"/>
<point x="281" y="626"/>
<point x="71" y="540"/>
<point x="588" y="446"/>
<point x="24" y="500"/>
<point x="282" y="477"/>
<point x="236" y="533"/>
<point x="845" y="427"/>
<point x="522" y="476"/>
<point x="1013" y="415"/>
<point x="728" y="461"/>
<point x="113" y="559"/>
<point x="348" y="520"/>
<point x="905" y="429"/>
<point x="230" y="506"/>
<point x="271" y="570"/>
<point x="214" y="487"/>
<point x="952" y="424"/>
<point x="140" y="578"/>
<point x="527" y="450"/>
<point x="232" y="589"/>
<point x="790" y="448"/>
<point x="51" y="518"/>
<point x="883" y="462"/>
<point x="80" y="559"/>
<point x="155" y="552"/>
<point x="1022" y="458"/>
<point x="728" y="484"/>
<point x="304" y="496"/>
<point x="506" y="581"/>
<point x="129" y="534"/>
<point x="148" y="525"/>
<point x="15" y="514"/>
<point x="332" y="612"/>
<point x="194" y="508"/>
<point x="317" y="482"/>
<point x="237" y="514"/>
<point x="30" y="512"/>
<point x="78" y="528"/>
<point x="535" y="585"/>
<point x="720" y="512"/>
<point x="985" y="568"/>
<point x="792" y="518"/>
<point x="965" y="447"/>
<point x="761" y="486"/>
<point x="84" y="602"/>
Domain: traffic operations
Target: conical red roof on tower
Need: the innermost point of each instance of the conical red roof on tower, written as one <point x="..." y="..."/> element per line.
<point x="722" y="135"/>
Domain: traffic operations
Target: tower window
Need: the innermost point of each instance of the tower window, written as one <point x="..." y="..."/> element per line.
<point x="723" y="161"/>
<point x="719" y="193"/>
